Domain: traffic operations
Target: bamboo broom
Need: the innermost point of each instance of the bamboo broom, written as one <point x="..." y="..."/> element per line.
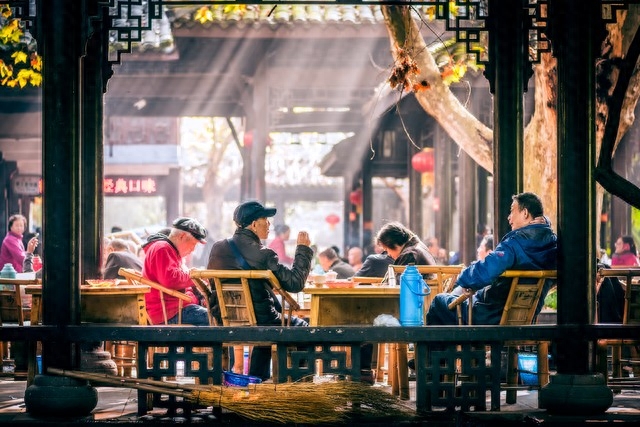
<point x="302" y="402"/>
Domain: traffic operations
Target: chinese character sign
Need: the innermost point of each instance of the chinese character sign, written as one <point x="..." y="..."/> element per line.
<point x="132" y="186"/>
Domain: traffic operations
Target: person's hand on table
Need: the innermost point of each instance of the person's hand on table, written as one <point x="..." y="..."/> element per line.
<point x="303" y="239"/>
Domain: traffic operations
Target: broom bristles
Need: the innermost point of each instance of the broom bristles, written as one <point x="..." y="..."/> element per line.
<point x="299" y="402"/>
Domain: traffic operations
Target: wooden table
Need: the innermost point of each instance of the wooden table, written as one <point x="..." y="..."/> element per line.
<point x="360" y="305"/>
<point x="117" y="304"/>
<point x="122" y="304"/>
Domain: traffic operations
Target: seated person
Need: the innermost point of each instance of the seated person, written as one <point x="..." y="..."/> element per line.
<point x="329" y="260"/>
<point x="530" y="245"/>
<point x="163" y="264"/>
<point x="375" y="265"/>
<point x="245" y="251"/>
<point x="403" y="245"/>
<point x="610" y="297"/>
<point x="119" y="255"/>
<point x="354" y="255"/>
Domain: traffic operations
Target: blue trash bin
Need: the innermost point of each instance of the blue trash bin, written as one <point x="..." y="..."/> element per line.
<point x="528" y="368"/>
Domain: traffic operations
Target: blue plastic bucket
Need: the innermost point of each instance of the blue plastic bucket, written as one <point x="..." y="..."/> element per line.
<point x="528" y="368"/>
<point x="239" y="380"/>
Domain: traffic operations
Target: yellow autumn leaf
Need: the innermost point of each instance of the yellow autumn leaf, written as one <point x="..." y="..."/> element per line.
<point x="230" y="8"/>
<point x="203" y="15"/>
<point x="6" y="12"/>
<point x="10" y="83"/>
<point x="36" y="79"/>
<point x="19" y="56"/>
<point x="453" y="8"/>
<point x="430" y="13"/>
<point x="23" y="77"/>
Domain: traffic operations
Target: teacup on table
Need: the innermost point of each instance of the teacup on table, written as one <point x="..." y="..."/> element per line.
<point x="317" y="279"/>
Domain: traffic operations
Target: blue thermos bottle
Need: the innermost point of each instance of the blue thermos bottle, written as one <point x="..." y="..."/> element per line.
<point x="413" y="289"/>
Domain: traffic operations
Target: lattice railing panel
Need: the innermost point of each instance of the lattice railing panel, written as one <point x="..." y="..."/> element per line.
<point x="460" y="377"/>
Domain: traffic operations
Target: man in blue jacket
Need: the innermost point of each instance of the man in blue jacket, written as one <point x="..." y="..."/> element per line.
<point x="530" y="245"/>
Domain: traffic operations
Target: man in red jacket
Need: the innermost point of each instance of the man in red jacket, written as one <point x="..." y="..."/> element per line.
<point x="163" y="263"/>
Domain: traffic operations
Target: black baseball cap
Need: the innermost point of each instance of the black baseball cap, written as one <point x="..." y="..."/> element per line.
<point x="248" y="212"/>
<point x="192" y="226"/>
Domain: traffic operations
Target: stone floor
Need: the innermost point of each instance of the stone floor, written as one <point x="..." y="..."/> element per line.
<point x="119" y="406"/>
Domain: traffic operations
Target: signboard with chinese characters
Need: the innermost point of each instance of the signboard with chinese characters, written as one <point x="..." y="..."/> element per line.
<point x="27" y="185"/>
<point x="133" y="185"/>
<point x="31" y="185"/>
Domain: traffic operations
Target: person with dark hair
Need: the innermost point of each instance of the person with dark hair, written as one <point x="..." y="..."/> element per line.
<point x="163" y="263"/>
<point x="13" y="250"/>
<point x="530" y="245"/>
<point x="403" y="245"/>
<point x="485" y="247"/>
<point x="245" y="251"/>
<point x="626" y="254"/>
<point x="329" y="260"/>
<point x="283" y="233"/>
<point x="376" y="264"/>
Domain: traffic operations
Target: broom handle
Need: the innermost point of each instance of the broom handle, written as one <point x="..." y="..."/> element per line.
<point x="159" y="386"/>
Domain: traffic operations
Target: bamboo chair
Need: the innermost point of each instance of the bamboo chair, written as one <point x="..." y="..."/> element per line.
<point x="136" y="278"/>
<point x="234" y="298"/>
<point x="12" y="310"/>
<point x="631" y="316"/>
<point x="441" y="278"/>
<point x="519" y="309"/>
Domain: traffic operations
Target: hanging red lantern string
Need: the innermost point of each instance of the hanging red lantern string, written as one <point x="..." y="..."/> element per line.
<point x="423" y="161"/>
<point x="332" y="220"/>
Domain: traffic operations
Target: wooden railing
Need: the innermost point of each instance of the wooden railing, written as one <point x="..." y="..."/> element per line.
<point x="320" y="339"/>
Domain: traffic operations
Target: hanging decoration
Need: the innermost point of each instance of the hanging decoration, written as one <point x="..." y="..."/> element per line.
<point x="355" y="197"/>
<point x="423" y="161"/>
<point x="248" y="139"/>
<point x="332" y="220"/>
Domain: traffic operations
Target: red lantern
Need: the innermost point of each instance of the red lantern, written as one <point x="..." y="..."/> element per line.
<point x="248" y="139"/>
<point x="423" y="161"/>
<point x="355" y="197"/>
<point x="332" y="220"/>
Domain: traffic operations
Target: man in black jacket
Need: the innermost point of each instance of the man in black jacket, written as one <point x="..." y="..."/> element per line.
<point x="245" y="251"/>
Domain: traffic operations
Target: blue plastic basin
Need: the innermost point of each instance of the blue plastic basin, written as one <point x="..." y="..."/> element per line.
<point x="238" y="380"/>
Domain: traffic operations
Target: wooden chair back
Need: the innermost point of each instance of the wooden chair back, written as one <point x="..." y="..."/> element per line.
<point x="234" y="294"/>
<point x="524" y="295"/>
<point x="135" y="278"/>
<point x="631" y="313"/>
<point x="523" y="298"/>
<point x="11" y="304"/>
<point x="234" y="300"/>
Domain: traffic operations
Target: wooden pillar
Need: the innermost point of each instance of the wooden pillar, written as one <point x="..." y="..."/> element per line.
<point x="93" y="83"/>
<point x="507" y="76"/>
<point x="61" y="22"/>
<point x="574" y="46"/>
<point x="467" y="196"/>
<point x="260" y="135"/>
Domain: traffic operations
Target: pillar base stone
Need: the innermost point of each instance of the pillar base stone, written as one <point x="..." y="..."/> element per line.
<point x="56" y="397"/>
<point x="576" y="395"/>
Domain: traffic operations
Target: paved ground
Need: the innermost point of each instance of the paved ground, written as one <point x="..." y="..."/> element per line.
<point x="119" y="406"/>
